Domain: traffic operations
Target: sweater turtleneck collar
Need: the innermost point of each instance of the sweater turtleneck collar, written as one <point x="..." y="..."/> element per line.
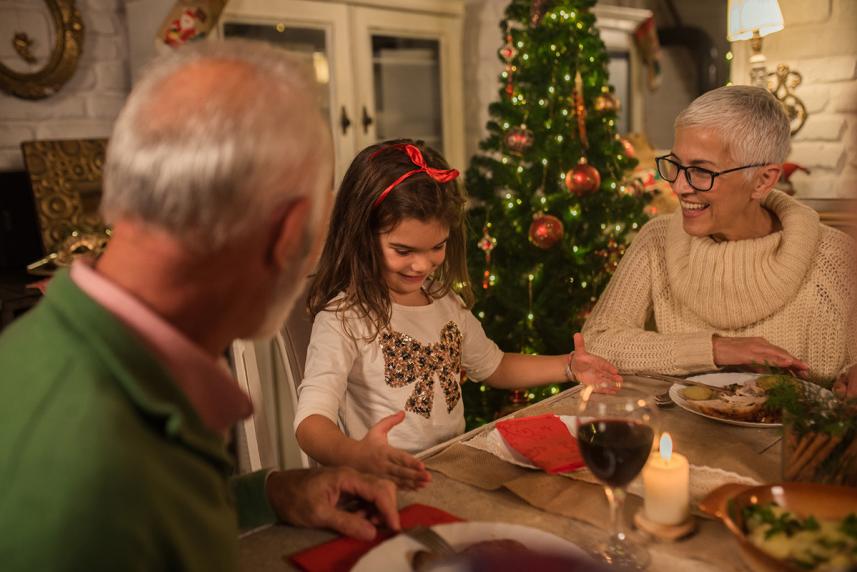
<point x="736" y="283"/>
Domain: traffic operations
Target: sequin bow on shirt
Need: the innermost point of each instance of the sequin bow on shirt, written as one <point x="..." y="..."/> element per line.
<point x="408" y="361"/>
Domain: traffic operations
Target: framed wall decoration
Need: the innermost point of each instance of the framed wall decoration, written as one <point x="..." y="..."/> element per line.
<point x="66" y="180"/>
<point x="48" y="53"/>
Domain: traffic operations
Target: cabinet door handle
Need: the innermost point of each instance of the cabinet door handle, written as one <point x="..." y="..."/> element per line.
<point x="367" y="120"/>
<point x="344" y="121"/>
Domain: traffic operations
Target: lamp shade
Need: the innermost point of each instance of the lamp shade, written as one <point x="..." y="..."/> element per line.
<point x="748" y="16"/>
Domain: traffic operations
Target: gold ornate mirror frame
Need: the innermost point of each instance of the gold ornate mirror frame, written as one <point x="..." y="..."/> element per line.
<point x="66" y="181"/>
<point x="68" y="26"/>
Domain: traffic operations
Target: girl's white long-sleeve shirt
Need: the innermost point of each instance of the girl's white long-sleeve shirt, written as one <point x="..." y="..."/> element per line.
<point x="414" y="365"/>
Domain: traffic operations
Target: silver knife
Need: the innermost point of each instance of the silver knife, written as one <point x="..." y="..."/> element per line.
<point x="672" y="379"/>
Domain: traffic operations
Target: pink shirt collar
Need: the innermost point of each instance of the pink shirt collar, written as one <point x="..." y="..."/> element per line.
<point x="205" y="381"/>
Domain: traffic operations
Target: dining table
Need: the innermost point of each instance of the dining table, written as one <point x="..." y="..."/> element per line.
<point x="473" y="483"/>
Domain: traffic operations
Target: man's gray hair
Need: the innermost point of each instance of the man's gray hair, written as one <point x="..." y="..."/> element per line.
<point x="750" y="121"/>
<point x="214" y="140"/>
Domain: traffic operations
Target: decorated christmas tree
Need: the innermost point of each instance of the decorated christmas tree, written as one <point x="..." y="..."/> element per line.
<point x="553" y="199"/>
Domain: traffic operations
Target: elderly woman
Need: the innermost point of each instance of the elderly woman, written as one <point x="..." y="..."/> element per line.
<point x="744" y="275"/>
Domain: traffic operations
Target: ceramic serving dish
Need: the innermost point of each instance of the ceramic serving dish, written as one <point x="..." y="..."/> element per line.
<point x="803" y="499"/>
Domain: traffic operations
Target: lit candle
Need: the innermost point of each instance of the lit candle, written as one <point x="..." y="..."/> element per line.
<point x="666" y="480"/>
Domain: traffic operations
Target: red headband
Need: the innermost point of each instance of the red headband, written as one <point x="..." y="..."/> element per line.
<point x="439" y="175"/>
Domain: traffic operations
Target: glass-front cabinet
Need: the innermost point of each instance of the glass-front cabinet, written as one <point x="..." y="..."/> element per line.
<point x="383" y="73"/>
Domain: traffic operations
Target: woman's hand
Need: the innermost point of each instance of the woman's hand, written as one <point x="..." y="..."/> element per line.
<point x="590" y="369"/>
<point x="376" y="456"/>
<point x="846" y="384"/>
<point x="754" y="351"/>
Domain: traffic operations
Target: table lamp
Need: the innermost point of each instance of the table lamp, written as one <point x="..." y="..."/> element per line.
<point x="752" y="20"/>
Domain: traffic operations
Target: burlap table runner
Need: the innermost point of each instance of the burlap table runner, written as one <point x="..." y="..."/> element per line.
<point x="703" y="441"/>
<point x="572" y="498"/>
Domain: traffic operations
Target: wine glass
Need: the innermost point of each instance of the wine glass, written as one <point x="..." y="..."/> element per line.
<point x="615" y="433"/>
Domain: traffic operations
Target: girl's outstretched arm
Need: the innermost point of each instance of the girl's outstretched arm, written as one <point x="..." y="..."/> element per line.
<point x="322" y="440"/>
<point x="518" y="371"/>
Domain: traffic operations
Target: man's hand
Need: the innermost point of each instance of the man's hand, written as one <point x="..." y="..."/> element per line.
<point x="846" y="384"/>
<point x="313" y="497"/>
<point x="754" y="351"/>
<point x="376" y="456"/>
<point x="590" y="369"/>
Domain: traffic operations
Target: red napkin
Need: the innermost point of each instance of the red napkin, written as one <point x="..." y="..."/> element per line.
<point x="341" y="554"/>
<point x="544" y="440"/>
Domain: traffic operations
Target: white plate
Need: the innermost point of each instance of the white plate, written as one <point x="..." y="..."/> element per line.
<point x="717" y="380"/>
<point x="395" y="554"/>
<point x="499" y="448"/>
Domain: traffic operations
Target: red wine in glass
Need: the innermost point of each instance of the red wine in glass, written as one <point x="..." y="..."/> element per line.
<point x="615" y="450"/>
<point x="615" y="431"/>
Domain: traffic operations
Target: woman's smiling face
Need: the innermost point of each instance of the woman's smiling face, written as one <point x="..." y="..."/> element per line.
<point x="728" y="209"/>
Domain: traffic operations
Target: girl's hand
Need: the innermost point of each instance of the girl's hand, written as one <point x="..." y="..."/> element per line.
<point x="376" y="456"/>
<point x="590" y="369"/>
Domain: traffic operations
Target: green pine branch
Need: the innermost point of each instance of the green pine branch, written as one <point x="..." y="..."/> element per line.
<point x="541" y="314"/>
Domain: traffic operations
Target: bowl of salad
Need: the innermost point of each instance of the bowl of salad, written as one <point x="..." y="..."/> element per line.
<point x="794" y="527"/>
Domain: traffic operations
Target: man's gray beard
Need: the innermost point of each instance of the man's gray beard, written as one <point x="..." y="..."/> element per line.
<point x="289" y="287"/>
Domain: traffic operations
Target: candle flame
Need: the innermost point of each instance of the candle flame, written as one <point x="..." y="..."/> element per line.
<point x="666" y="447"/>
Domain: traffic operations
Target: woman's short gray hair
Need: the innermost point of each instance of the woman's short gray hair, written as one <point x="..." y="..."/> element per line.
<point x="749" y="119"/>
<point x="210" y="166"/>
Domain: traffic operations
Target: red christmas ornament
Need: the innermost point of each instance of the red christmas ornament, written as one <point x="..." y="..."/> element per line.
<point x="546" y="231"/>
<point x="583" y="179"/>
<point x="508" y="51"/>
<point x="519" y="139"/>
<point x="486" y="244"/>
<point x="628" y="147"/>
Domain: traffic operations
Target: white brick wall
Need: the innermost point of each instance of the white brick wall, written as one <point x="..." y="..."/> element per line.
<point x="88" y="104"/>
<point x="482" y="67"/>
<point x="818" y="41"/>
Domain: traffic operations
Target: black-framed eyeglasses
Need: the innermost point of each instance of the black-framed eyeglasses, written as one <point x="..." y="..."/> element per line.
<point x="698" y="178"/>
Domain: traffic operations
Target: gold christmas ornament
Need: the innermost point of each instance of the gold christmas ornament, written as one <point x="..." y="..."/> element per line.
<point x="580" y="110"/>
<point x="606" y="102"/>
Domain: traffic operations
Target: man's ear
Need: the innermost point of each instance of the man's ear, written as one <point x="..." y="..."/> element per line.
<point x="290" y="237"/>
<point x="765" y="180"/>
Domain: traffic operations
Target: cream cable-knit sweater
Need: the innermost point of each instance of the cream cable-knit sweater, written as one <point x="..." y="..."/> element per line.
<point x="672" y="292"/>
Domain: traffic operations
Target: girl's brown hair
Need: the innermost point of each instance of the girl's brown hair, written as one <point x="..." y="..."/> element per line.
<point x="352" y="261"/>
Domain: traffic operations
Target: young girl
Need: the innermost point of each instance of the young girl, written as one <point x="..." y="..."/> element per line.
<point x="390" y="337"/>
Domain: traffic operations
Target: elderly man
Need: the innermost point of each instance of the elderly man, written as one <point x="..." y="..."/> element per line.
<point x="113" y="398"/>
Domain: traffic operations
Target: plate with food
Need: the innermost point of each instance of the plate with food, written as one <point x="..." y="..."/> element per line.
<point x="404" y="554"/>
<point x="742" y="401"/>
<point x="790" y="527"/>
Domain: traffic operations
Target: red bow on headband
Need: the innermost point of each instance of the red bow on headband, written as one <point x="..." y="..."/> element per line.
<point x="439" y="175"/>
